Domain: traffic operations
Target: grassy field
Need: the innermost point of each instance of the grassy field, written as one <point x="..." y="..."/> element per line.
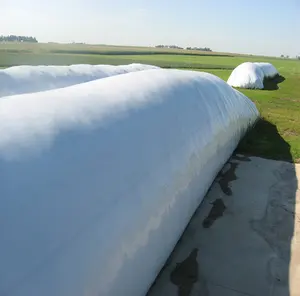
<point x="277" y="136"/>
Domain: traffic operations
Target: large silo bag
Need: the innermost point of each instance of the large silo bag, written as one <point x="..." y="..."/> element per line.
<point x="99" y="180"/>
<point x="28" y="79"/>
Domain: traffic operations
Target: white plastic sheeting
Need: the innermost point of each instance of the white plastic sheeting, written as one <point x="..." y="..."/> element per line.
<point x="27" y="79"/>
<point x="247" y="75"/>
<point x="99" y="180"/>
<point x="251" y="75"/>
<point x="268" y="69"/>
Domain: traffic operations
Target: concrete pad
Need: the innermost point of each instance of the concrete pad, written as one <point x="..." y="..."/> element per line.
<point x="244" y="239"/>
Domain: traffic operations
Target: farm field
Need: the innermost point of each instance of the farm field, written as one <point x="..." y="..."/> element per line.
<point x="277" y="136"/>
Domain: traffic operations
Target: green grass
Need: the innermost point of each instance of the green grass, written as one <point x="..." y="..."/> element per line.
<point x="95" y="49"/>
<point x="280" y="110"/>
<point x="277" y="136"/>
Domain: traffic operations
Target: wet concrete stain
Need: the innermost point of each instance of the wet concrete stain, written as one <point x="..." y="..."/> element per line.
<point x="185" y="274"/>
<point x="226" y="177"/>
<point x="215" y="213"/>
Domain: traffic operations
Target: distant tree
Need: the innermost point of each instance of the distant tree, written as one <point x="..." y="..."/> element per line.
<point x="187" y="48"/>
<point x="168" y="46"/>
<point x="282" y="56"/>
<point x="14" y="38"/>
<point x="199" y="48"/>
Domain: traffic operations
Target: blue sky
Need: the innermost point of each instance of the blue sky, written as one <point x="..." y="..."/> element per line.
<point x="256" y="26"/>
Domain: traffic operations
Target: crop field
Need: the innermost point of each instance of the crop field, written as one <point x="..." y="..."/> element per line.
<point x="276" y="136"/>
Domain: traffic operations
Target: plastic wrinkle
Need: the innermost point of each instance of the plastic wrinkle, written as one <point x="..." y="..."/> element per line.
<point x="251" y="75"/>
<point x="29" y="79"/>
<point x="100" y="179"/>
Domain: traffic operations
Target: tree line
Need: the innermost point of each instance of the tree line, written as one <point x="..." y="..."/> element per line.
<point x="169" y="46"/>
<point x="188" y="48"/>
<point x="15" y="38"/>
<point x="199" y="48"/>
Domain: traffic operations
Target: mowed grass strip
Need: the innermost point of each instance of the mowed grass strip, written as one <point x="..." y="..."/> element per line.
<point x="8" y="59"/>
<point x="276" y="136"/>
<point x="97" y="49"/>
<point x="12" y="54"/>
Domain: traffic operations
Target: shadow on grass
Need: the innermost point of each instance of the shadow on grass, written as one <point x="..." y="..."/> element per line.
<point x="272" y="83"/>
<point x="264" y="141"/>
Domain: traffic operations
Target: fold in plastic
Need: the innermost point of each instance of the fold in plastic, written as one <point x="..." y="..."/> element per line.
<point x="28" y="79"/>
<point x="99" y="180"/>
<point x="251" y="75"/>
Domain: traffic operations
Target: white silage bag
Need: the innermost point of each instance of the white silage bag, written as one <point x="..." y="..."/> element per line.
<point x="100" y="179"/>
<point x="251" y="75"/>
<point x="268" y="69"/>
<point x="247" y="75"/>
<point x="28" y="79"/>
